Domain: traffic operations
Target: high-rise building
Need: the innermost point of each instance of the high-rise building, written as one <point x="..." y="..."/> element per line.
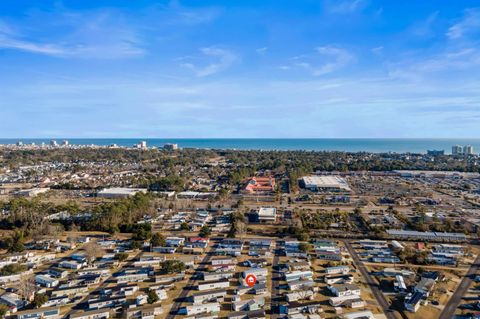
<point x="457" y="150"/>
<point x="465" y="150"/>
<point x="19" y="143"/>
<point x="468" y="150"/>
<point x="53" y="143"/>
<point x="170" y="146"/>
<point x="436" y="152"/>
<point x="65" y="143"/>
<point x="142" y="145"/>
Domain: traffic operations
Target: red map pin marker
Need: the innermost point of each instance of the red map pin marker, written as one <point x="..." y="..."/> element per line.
<point x="251" y="280"/>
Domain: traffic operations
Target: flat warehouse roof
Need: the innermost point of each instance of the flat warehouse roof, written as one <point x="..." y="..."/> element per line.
<point x="122" y="191"/>
<point x="329" y="181"/>
<point x="267" y="211"/>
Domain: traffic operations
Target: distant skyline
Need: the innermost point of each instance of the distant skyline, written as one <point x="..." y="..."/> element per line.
<point x="239" y="69"/>
<point x="375" y="145"/>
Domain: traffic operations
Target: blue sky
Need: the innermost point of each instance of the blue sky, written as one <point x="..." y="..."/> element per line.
<point x="239" y="68"/>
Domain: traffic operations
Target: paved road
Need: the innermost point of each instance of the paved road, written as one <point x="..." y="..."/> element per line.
<point x="275" y="283"/>
<point x="426" y="267"/>
<point x="181" y="298"/>
<point x="449" y="310"/>
<point x="371" y="282"/>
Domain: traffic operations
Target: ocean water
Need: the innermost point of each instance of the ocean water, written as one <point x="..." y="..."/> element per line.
<point x="374" y="145"/>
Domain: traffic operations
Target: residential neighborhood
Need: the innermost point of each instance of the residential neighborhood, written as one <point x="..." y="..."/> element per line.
<point x="270" y="244"/>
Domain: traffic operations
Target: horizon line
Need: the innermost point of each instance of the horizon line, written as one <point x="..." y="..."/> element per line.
<point x="243" y="138"/>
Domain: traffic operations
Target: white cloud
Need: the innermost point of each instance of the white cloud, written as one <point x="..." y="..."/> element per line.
<point x="217" y="60"/>
<point x="48" y="49"/>
<point x="344" y="107"/>
<point x="106" y="33"/>
<point x="327" y="59"/>
<point x="469" y="22"/>
<point x="178" y="14"/>
<point x="422" y="67"/>
<point x="345" y="6"/>
<point x="191" y="17"/>
<point x="425" y="28"/>
<point x="99" y="34"/>
<point x="262" y="51"/>
<point x="340" y="58"/>
<point x="10" y="40"/>
<point x="377" y="50"/>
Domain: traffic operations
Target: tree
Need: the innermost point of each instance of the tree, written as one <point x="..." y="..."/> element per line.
<point x="223" y="194"/>
<point x="93" y="251"/>
<point x="158" y="240"/>
<point x="120" y="214"/>
<point x="142" y="232"/>
<point x="39" y="300"/>
<point x="241" y="228"/>
<point x="184" y="226"/>
<point x="173" y="266"/>
<point x="303" y="236"/>
<point x="14" y="244"/>
<point x="305" y="294"/>
<point x="3" y="310"/>
<point x="205" y="231"/>
<point x="26" y="287"/>
<point x="48" y="230"/>
<point x="172" y="182"/>
<point x="121" y="257"/>
<point x="152" y="296"/>
<point x="304" y="247"/>
<point x="136" y="244"/>
<point x="12" y="269"/>
<point x="240" y="202"/>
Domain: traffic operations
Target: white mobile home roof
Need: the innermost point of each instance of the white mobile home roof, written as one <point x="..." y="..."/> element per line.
<point x="396" y="244"/>
<point x="359" y="314"/>
<point x="401" y="282"/>
<point x="418" y="234"/>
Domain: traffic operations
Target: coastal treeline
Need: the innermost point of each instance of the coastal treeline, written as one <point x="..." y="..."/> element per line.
<point x="119" y="215"/>
<point x="241" y="163"/>
<point x="32" y="218"/>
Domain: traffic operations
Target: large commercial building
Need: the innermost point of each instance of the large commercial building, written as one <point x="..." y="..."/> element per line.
<point x="259" y="185"/>
<point x="436" y="152"/>
<point x="119" y="192"/>
<point x="325" y="183"/>
<point x="266" y="214"/>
